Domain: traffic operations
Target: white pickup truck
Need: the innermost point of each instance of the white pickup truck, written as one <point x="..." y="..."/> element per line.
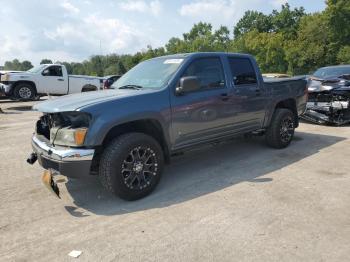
<point x="46" y="79"/>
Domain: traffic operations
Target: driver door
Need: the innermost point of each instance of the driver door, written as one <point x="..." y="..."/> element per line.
<point x="201" y="114"/>
<point x="52" y="81"/>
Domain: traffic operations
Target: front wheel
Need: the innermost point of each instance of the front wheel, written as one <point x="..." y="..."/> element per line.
<point x="131" y="166"/>
<point x="24" y="91"/>
<point x="281" y="130"/>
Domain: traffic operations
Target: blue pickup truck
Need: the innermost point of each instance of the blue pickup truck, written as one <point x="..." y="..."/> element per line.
<point x="161" y="107"/>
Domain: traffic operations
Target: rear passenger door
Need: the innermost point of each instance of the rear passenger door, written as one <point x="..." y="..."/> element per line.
<point x="248" y="95"/>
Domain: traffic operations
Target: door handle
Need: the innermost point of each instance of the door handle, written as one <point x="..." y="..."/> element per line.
<point x="60" y="79"/>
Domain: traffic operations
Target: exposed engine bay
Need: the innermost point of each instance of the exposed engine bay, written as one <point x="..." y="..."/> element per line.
<point x="64" y="128"/>
<point x="329" y="101"/>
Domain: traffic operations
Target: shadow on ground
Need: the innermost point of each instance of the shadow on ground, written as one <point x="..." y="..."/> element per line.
<point x="20" y="108"/>
<point x="316" y="124"/>
<point x="201" y="172"/>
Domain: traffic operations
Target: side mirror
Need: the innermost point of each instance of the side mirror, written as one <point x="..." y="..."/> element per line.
<point x="45" y="72"/>
<point x="188" y="84"/>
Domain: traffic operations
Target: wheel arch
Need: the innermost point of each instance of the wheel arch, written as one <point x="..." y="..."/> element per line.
<point x="88" y="88"/>
<point x="149" y="126"/>
<point x="290" y="104"/>
<point x="23" y="82"/>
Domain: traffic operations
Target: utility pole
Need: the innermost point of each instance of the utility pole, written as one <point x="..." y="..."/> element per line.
<point x="100" y="56"/>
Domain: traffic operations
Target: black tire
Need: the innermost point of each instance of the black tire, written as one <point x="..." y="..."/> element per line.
<point x="24" y="91"/>
<point x="281" y="130"/>
<point x="120" y="165"/>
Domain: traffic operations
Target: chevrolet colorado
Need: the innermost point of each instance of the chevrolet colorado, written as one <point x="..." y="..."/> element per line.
<point x="161" y="107"/>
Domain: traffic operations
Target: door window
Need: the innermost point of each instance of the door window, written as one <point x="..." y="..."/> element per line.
<point x="53" y="71"/>
<point x="242" y="70"/>
<point x="208" y="71"/>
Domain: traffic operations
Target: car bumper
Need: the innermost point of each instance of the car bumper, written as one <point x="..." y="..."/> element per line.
<point x="70" y="162"/>
<point x="5" y="90"/>
<point x="2" y="90"/>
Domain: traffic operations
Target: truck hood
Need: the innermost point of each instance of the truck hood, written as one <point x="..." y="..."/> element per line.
<point x="329" y="83"/>
<point x="77" y="101"/>
<point x="16" y="76"/>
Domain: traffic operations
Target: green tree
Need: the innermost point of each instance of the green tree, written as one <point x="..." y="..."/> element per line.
<point x="199" y="39"/>
<point x="78" y="69"/>
<point x="175" y="45"/>
<point x="312" y="47"/>
<point x="252" y="20"/>
<point x="46" y="61"/>
<point x="200" y="30"/>
<point x="266" y="47"/>
<point x="343" y="56"/>
<point x="15" y="64"/>
<point x="287" y="21"/>
<point x="26" y="65"/>
<point x="337" y="15"/>
<point x="95" y="65"/>
<point x="221" y="39"/>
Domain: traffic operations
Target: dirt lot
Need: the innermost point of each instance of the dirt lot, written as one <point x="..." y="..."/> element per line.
<point x="238" y="201"/>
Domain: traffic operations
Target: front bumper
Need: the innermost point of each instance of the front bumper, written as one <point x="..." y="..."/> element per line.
<point x="2" y="90"/>
<point x="6" y="89"/>
<point x="70" y="162"/>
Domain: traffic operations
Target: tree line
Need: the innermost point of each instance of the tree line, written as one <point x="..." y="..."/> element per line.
<point x="284" y="41"/>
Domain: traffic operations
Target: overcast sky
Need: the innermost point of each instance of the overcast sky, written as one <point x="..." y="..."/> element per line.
<point x="72" y="30"/>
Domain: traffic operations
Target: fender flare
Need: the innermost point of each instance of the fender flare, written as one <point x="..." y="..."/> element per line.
<point x="20" y="82"/>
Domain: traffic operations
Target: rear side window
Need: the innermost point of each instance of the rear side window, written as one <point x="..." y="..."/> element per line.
<point x="208" y="71"/>
<point x="242" y="70"/>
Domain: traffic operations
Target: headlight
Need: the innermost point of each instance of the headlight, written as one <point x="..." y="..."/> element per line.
<point x="314" y="85"/>
<point x="326" y="88"/>
<point x="67" y="136"/>
<point x="5" y="77"/>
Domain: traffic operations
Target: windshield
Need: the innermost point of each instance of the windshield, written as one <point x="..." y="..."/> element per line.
<point x="332" y="71"/>
<point x="152" y="74"/>
<point x="36" y="69"/>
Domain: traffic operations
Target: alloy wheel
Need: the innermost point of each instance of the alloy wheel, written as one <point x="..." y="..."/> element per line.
<point x="139" y="167"/>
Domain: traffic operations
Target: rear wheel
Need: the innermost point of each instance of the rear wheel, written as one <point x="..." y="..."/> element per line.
<point x="24" y="91"/>
<point x="281" y="130"/>
<point x="131" y="166"/>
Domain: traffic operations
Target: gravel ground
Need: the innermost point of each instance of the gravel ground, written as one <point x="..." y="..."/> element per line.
<point x="237" y="201"/>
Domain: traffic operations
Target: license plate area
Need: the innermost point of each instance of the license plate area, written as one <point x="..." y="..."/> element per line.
<point x="49" y="183"/>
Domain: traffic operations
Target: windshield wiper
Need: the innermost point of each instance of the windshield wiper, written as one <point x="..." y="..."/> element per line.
<point x="137" y="87"/>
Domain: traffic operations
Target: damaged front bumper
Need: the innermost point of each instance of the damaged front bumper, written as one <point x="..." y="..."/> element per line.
<point x="70" y="162"/>
<point x="5" y="89"/>
<point x="329" y="101"/>
<point x="333" y="112"/>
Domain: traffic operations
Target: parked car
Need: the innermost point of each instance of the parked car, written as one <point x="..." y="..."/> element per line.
<point x="163" y="106"/>
<point x="47" y="79"/>
<point x="109" y="80"/>
<point x="329" y="96"/>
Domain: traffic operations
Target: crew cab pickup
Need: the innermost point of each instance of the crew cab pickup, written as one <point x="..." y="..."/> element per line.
<point x="161" y="107"/>
<point x="46" y="79"/>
